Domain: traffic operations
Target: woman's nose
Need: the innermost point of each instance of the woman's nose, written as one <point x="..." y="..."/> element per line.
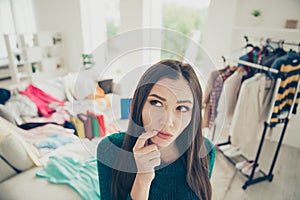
<point x="169" y="119"/>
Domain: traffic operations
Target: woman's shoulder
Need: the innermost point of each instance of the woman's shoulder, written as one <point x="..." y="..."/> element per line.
<point x="211" y="152"/>
<point x="108" y="146"/>
<point x="208" y="144"/>
<point x="115" y="139"/>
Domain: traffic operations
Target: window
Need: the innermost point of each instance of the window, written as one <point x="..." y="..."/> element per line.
<point x="16" y="16"/>
<point x="112" y="9"/>
<point x="187" y="18"/>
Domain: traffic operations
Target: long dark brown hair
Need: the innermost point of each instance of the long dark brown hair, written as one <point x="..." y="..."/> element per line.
<point x="190" y="143"/>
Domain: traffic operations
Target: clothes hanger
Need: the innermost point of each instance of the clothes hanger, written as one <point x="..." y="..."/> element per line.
<point x="268" y="45"/>
<point x="247" y="43"/>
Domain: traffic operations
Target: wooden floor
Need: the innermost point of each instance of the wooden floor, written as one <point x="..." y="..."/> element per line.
<point x="227" y="181"/>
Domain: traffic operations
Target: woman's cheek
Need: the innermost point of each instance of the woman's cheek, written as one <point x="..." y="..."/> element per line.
<point x="152" y="117"/>
<point x="186" y="120"/>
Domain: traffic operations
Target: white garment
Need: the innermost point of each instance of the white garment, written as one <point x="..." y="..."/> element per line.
<point x="250" y="113"/>
<point x="226" y="106"/>
<point x="78" y="85"/>
<point x="20" y="107"/>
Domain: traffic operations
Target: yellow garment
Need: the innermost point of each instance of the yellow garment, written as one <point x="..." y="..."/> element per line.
<point x="99" y="96"/>
<point x="285" y="99"/>
<point x="79" y="125"/>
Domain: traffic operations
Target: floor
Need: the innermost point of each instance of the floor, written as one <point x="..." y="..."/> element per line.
<point x="227" y="181"/>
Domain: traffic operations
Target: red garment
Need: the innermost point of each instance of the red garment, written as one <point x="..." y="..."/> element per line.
<point x="41" y="99"/>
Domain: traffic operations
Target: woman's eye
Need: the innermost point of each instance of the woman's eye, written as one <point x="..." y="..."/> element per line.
<point x="183" y="108"/>
<point x="156" y="103"/>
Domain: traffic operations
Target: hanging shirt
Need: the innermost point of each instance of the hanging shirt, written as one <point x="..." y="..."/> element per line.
<point x="206" y="97"/>
<point x="227" y="104"/>
<point x="253" y="56"/>
<point x="268" y="58"/>
<point x="289" y="67"/>
<point x="251" y="110"/>
<point x="216" y="92"/>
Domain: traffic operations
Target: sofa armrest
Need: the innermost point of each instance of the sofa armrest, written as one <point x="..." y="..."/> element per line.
<point x="27" y="186"/>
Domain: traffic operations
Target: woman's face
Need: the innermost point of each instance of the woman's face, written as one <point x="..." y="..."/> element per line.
<point x="168" y="110"/>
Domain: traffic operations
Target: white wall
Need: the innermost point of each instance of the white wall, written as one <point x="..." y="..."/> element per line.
<point x="81" y="21"/>
<point x="220" y="23"/>
<point x="274" y="13"/>
<point x="65" y="17"/>
<point x="229" y="20"/>
<point x="225" y="17"/>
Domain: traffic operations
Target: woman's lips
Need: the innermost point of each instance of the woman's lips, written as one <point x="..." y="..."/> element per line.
<point x="164" y="135"/>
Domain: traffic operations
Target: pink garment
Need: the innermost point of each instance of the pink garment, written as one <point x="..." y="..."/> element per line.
<point x="41" y="99"/>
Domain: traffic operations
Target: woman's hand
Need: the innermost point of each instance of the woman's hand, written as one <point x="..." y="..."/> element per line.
<point x="147" y="157"/>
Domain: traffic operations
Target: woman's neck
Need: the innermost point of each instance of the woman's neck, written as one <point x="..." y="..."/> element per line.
<point x="169" y="154"/>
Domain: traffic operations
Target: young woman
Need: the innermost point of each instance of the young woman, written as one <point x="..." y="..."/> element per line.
<point x="163" y="154"/>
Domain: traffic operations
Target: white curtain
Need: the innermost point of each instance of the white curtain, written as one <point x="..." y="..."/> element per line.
<point x="24" y="16"/>
<point x="6" y="24"/>
<point x="16" y="16"/>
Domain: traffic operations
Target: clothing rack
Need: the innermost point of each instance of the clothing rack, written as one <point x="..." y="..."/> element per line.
<point x="266" y="176"/>
<point x="257" y="66"/>
<point x="269" y="40"/>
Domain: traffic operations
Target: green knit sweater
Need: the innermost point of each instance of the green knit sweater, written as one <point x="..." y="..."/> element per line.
<point x="169" y="182"/>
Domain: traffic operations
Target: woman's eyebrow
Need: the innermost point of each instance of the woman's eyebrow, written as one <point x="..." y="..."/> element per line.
<point x="163" y="99"/>
<point x="184" y="101"/>
<point x="157" y="96"/>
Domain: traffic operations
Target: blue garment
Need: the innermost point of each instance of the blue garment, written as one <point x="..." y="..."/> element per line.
<point x="69" y="125"/>
<point x="55" y="141"/>
<point x="80" y="176"/>
<point x="4" y="95"/>
<point x="268" y="58"/>
<point x="291" y="58"/>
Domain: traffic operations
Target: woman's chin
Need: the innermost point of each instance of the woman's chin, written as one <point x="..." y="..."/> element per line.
<point x="159" y="142"/>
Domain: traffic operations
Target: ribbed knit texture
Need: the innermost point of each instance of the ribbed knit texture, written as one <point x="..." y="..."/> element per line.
<point x="169" y="182"/>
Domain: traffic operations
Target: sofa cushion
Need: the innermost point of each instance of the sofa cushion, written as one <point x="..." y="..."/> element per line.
<point x="6" y="114"/>
<point x="6" y="170"/>
<point x="15" y="149"/>
<point x="12" y="150"/>
<point x="106" y="85"/>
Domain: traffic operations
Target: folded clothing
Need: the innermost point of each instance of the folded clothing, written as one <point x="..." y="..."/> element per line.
<point x="56" y="140"/>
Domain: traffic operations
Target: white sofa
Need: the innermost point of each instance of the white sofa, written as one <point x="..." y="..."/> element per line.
<point x="25" y="185"/>
<point x="19" y="163"/>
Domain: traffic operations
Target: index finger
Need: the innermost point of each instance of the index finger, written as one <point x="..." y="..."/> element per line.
<point x="140" y="143"/>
